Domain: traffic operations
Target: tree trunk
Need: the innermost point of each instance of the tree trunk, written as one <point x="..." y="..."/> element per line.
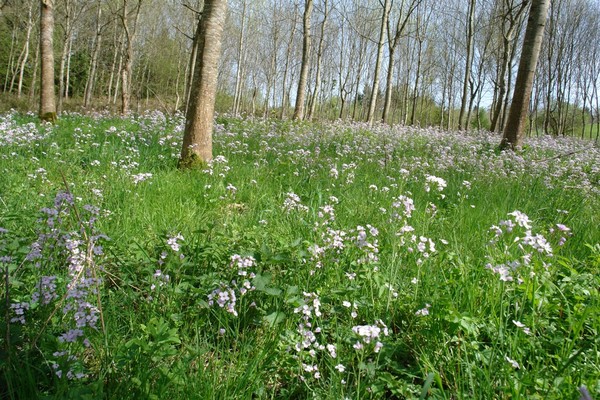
<point x="375" y="87"/>
<point x="513" y="132"/>
<point x="25" y="49"/>
<point x="65" y="50"/>
<point x="47" y="95"/>
<point x="89" y="86"/>
<point x="36" y="62"/>
<point x="285" y="95"/>
<point x="313" y="102"/>
<point x="392" y="45"/>
<point x="197" y="139"/>
<point x="192" y="64"/>
<point x="11" y="57"/>
<point x="469" y="62"/>
<point x="417" y="79"/>
<point x="126" y="70"/>
<point x="301" y="93"/>
<point x="240" y="61"/>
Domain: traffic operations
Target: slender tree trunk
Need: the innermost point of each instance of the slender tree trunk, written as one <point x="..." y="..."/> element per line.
<point x="375" y="87"/>
<point x="306" y="42"/>
<point x="513" y="132"/>
<point x="392" y="45"/>
<point x="388" y="87"/>
<point x="468" y="65"/>
<point x="285" y="95"/>
<point x="127" y="69"/>
<point x="118" y="71"/>
<point x="34" y="76"/>
<point x="192" y="64"/>
<point x="67" y="35"/>
<point x="89" y="86"/>
<point x="47" y="95"/>
<point x="240" y="62"/>
<point x="11" y="57"/>
<point x="417" y="80"/>
<point x="68" y="69"/>
<point x="315" y="95"/>
<point x="197" y="138"/>
<point x="117" y="51"/>
<point x="25" y="50"/>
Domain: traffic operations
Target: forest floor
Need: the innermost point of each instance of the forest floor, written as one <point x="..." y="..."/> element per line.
<point x="323" y="261"/>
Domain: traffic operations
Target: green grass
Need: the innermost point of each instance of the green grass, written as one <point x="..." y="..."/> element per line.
<point x="448" y="316"/>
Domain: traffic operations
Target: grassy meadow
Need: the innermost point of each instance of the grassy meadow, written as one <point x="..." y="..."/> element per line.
<point x="306" y="261"/>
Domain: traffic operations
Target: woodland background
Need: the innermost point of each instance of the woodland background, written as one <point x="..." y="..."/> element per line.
<point x="453" y="63"/>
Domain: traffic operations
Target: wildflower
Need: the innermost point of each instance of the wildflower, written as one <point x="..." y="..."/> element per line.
<point x="525" y="329"/>
<point x="293" y="203"/>
<point x="439" y="182"/>
<point x="423" y="311"/>
<point x="521" y="219"/>
<point x="332" y="350"/>
<point x="173" y="242"/>
<point x="340" y="368"/>
<point x="19" y="310"/>
<point x="231" y="189"/>
<point x="141" y="177"/>
<point x="512" y="362"/>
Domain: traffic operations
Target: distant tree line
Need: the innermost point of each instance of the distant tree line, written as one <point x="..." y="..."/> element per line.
<point x="423" y="62"/>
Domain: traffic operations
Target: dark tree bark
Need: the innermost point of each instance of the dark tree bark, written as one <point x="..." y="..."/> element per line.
<point x="514" y="130"/>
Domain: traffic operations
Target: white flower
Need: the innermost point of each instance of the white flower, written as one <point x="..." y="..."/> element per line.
<point x="521" y="219"/>
<point x="340" y="368"/>
<point x="512" y="362"/>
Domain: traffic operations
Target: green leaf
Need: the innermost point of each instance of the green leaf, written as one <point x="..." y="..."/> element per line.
<point x="274" y="318"/>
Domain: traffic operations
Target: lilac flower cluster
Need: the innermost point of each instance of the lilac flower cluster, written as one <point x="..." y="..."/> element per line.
<point x="292" y="202"/>
<point x="226" y="295"/>
<point x="141" y="177"/>
<point x="76" y="247"/>
<point x="370" y="333"/>
<point x="368" y="246"/>
<point x="218" y="166"/>
<point x="13" y="133"/>
<point x="306" y="344"/>
<point x="528" y="244"/>
<point x="160" y="279"/>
